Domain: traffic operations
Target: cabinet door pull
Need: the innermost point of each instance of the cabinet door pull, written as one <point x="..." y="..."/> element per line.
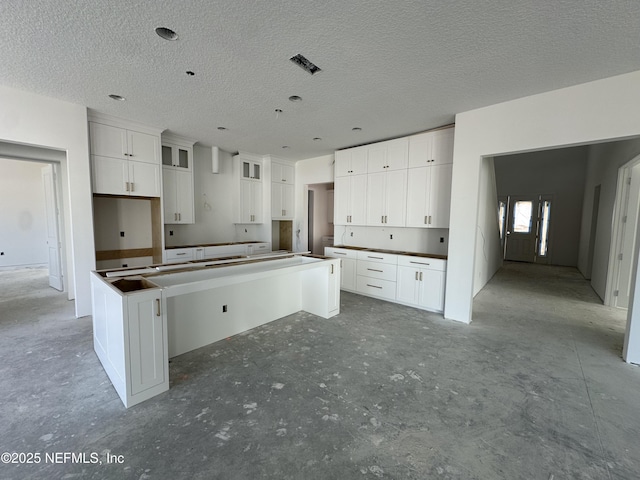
<point x="181" y="253"/>
<point x="179" y="216"/>
<point x="416" y="275"/>
<point x="132" y="186"/>
<point x="339" y="253"/>
<point x="385" y="219"/>
<point x="127" y="187"/>
<point x="419" y="263"/>
<point x="374" y="286"/>
<point x="425" y="220"/>
<point x="429" y="219"/>
<point x="420" y="276"/>
<point x="374" y="270"/>
<point x="381" y="218"/>
<point x="377" y="258"/>
<point x="332" y="269"/>
<point x="158" y="313"/>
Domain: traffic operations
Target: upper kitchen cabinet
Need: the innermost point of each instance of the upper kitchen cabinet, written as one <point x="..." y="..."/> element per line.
<point x="249" y="191"/>
<point x="388" y="156"/>
<point x="431" y="148"/>
<point x="429" y="196"/>
<point x="125" y="157"/>
<point x="352" y="161"/>
<point x="282" y="173"/>
<point x="126" y="144"/>
<point x="282" y="190"/>
<point x="177" y="180"/>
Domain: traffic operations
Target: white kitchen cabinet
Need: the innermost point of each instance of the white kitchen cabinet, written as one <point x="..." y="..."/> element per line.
<point x="114" y="176"/>
<point x="350" y="200"/>
<point x="179" y="255"/>
<point x="421" y="282"/>
<point x="198" y="253"/>
<point x="431" y="148"/>
<point x="348" y="265"/>
<point x="351" y="161"/>
<point x="130" y="337"/>
<point x="282" y="201"/>
<point x="387" y="198"/>
<point x="258" y="248"/>
<point x="282" y="173"/>
<point x="124" y="161"/>
<point x="251" y="170"/>
<point x="177" y="156"/>
<point x="117" y="142"/>
<point x="177" y="180"/>
<point x="429" y="196"/>
<point x="217" y="251"/>
<point x="177" y="196"/>
<point x="376" y="274"/>
<point x="250" y="207"/>
<point x="388" y="156"/>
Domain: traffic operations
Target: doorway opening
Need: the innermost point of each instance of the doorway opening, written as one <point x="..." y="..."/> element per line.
<point x="524" y="222"/>
<point x="319" y="217"/>
<point x="624" y="233"/>
<point x="31" y="213"/>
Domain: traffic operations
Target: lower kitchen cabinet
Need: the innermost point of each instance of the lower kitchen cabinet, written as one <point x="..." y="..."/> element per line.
<point x="347" y="266"/>
<point x="421" y="282"/>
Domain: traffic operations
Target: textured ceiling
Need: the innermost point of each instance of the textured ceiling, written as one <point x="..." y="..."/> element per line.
<point x="390" y="67"/>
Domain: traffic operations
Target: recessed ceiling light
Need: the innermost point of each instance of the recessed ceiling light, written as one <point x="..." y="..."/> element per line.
<point x="285" y="146"/>
<point x="119" y="98"/>
<point x="278" y="110"/>
<point x="315" y="139"/>
<point x="222" y="128"/>
<point x="356" y="129"/>
<point x="190" y="73"/>
<point x="295" y="98"/>
<point x="166" y="33"/>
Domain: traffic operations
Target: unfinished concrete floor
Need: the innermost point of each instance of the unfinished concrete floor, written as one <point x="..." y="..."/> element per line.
<point x="534" y="388"/>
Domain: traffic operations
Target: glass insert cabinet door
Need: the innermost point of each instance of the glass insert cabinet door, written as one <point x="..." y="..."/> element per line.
<point x="251" y="170"/>
<point x="176" y="156"/>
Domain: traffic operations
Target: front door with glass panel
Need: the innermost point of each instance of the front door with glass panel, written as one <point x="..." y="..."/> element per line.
<point x="527" y="227"/>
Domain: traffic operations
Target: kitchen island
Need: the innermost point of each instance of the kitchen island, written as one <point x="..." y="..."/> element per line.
<point x="143" y="317"/>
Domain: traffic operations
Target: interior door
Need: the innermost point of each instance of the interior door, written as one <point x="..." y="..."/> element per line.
<point x="53" y="233"/>
<point x="631" y="208"/>
<point x="521" y="229"/>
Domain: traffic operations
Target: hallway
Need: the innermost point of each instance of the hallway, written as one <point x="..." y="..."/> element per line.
<point x="534" y="388"/>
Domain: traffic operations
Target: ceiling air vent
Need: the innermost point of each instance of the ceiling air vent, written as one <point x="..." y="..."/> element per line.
<point x="305" y="64"/>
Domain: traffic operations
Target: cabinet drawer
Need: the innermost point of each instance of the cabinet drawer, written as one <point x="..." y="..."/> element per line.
<point x="376" y="287"/>
<point x="423" y="262"/>
<point x="378" y="257"/>
<point x="340" y="252"/>
<point x="179" y="255"/>
<point x="216" y="251"/>
<point x="383" y="271"/>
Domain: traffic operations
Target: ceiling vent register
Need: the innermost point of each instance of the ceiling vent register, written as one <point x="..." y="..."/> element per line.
<point x="305" y="64"/>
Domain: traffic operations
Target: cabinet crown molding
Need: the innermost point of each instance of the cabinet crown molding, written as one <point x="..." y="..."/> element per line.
<point x="175" y="139"/>
<point x="98" y="117"/>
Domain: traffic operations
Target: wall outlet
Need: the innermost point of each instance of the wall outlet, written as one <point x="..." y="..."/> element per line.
<point x="441" y="239"/>
<point x="1" y="253"/>
<point x="391" y="236"/>
<point x="171" y="233"/>
<point x="224" y="309"/>
<point x="125" y="265"/>
<point x="122" y="234"/>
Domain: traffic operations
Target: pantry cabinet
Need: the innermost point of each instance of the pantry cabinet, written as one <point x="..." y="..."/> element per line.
<point x="282" y="191"/>
<point x="177" y="180"/>
<point x="350" y="200"/>
<point x="429" y="196"/>
<point x="387" y="198"/>
<point x="249" y="191"/>
<point x="250" y="202"/>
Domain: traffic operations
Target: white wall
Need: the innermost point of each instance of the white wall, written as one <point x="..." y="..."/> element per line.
<point x="592" y="112"/>
<point x="488" y="247"/>
<point x="216" y="225"/>
<point x="561" y="173"/>
<point x="23" y="240"/>
<point x="310" y="171"/>
<point x="603" y="163"/>
<point x="42" y="121"/>
<point x="321" y="225"/>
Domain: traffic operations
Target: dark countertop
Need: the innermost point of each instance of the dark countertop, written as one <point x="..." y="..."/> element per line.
<point x="210" y="245"/>
<point x="393" y="252"/>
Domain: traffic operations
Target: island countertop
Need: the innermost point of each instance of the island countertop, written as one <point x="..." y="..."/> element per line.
<point x="393" y="252"/>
